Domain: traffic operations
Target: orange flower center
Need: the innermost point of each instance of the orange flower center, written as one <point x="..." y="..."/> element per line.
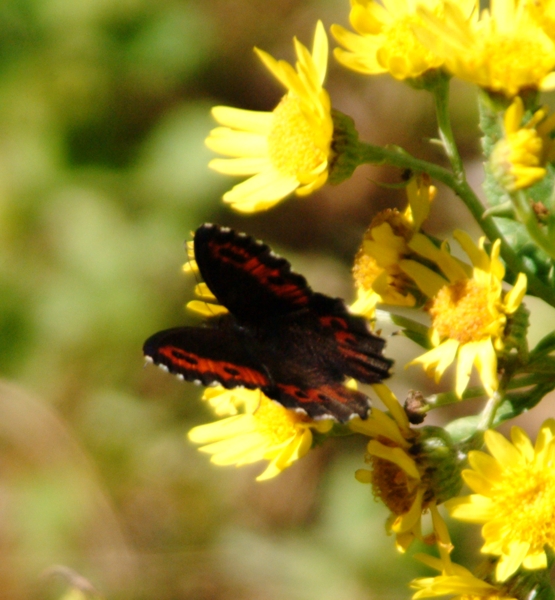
<point x="461" y="311"/>
<point x="392" y="485"/>
<point x="365" y="271"/>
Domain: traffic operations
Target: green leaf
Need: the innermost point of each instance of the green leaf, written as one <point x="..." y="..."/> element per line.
<point x="415" y="331"/>
<point x="544" y="346"/>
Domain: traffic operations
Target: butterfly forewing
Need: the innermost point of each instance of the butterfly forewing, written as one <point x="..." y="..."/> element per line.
<point x="207" y="355"/>
<point x="247" y="277"/>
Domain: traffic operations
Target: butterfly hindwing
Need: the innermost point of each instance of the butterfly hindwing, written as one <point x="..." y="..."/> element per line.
<point x="359" y="350"/>
<point x="252" y="282"/>
<point x="331" y="399"/>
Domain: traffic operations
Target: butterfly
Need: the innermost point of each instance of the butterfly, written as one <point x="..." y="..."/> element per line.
<point x="295" y="345"/>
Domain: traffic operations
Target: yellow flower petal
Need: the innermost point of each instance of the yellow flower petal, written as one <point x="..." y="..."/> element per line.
<point x="364" y="476"/>
<point x="486" y="365"/>
<point x="484" y="464"/>
<point x="522" y="443"/>
<point x="235" y="143"/>
<point x="250" y="121"/>
<point x="378" y="424"/>
<point x="514" y="297"/>
<point x="509" y="563"/>
<point x="477" y="482"/>
<point x="393" y="406"/>
<point x="501" y="449"/>
<point x="437" y="360"/>
<point x="473" y="508"/>
<point x="264" y="190"/>
<point x="477" y="256"/>
<point x="407" y="521"/>
<point x="394" y="455"/>
<point x="404" y="540"/>
<point x="239" y="166"/>
<point x="466" y="358"/>
<point x="427" y="280"/>
<point x="453" y="269"/>
<point x="535" y="561"/>
<point x="206" y="309"/>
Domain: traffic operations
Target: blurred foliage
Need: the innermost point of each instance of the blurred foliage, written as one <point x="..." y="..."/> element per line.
<point x="104" y="106"/>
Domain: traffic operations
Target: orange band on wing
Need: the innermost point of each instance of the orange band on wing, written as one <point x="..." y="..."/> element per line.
<point x="220" y="369"/>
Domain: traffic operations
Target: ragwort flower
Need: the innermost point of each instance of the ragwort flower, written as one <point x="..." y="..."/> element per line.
<point x="264" y="431"/>
<point x="502" y="50"/>
<point x="411" y="470"/>
<point x="284" y="151"/>
<point x="378" y="277"/>
<point x="385" y="41"/>
<point x="514" y="498"/>
<point x="518" y="159"/>
<point x="468" y="309"/>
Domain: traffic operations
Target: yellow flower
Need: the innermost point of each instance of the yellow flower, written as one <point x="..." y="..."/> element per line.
<point x="265" y="431"/>
<point x="385" y="41"/>
<point x="283" y="151"/>
<point x="502" y="50"/>
<point x="469" y="309"/>
<point x="515" y="498"/>
<point x="454" y="581"/>
<point x="517" y="160"/>
<point x="376" y="271"/>
<point x="404" y="475"/>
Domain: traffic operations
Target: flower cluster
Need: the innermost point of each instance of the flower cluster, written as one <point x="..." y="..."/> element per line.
<point x="503" y="49"/>
<point x="464" y="311"/>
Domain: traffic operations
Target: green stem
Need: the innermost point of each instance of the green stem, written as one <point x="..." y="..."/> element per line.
<point x="487" y="418"/>
<point x="488" y="414"/>
<point x="440" y="92"/>
<point x="397" y="157"/>
<point x="527" y="216"/>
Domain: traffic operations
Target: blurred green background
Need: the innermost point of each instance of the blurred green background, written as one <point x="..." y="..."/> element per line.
<point x="104" y="106"/>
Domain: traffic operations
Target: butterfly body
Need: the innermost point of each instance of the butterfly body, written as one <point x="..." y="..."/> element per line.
<point x="279" y="336"/>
